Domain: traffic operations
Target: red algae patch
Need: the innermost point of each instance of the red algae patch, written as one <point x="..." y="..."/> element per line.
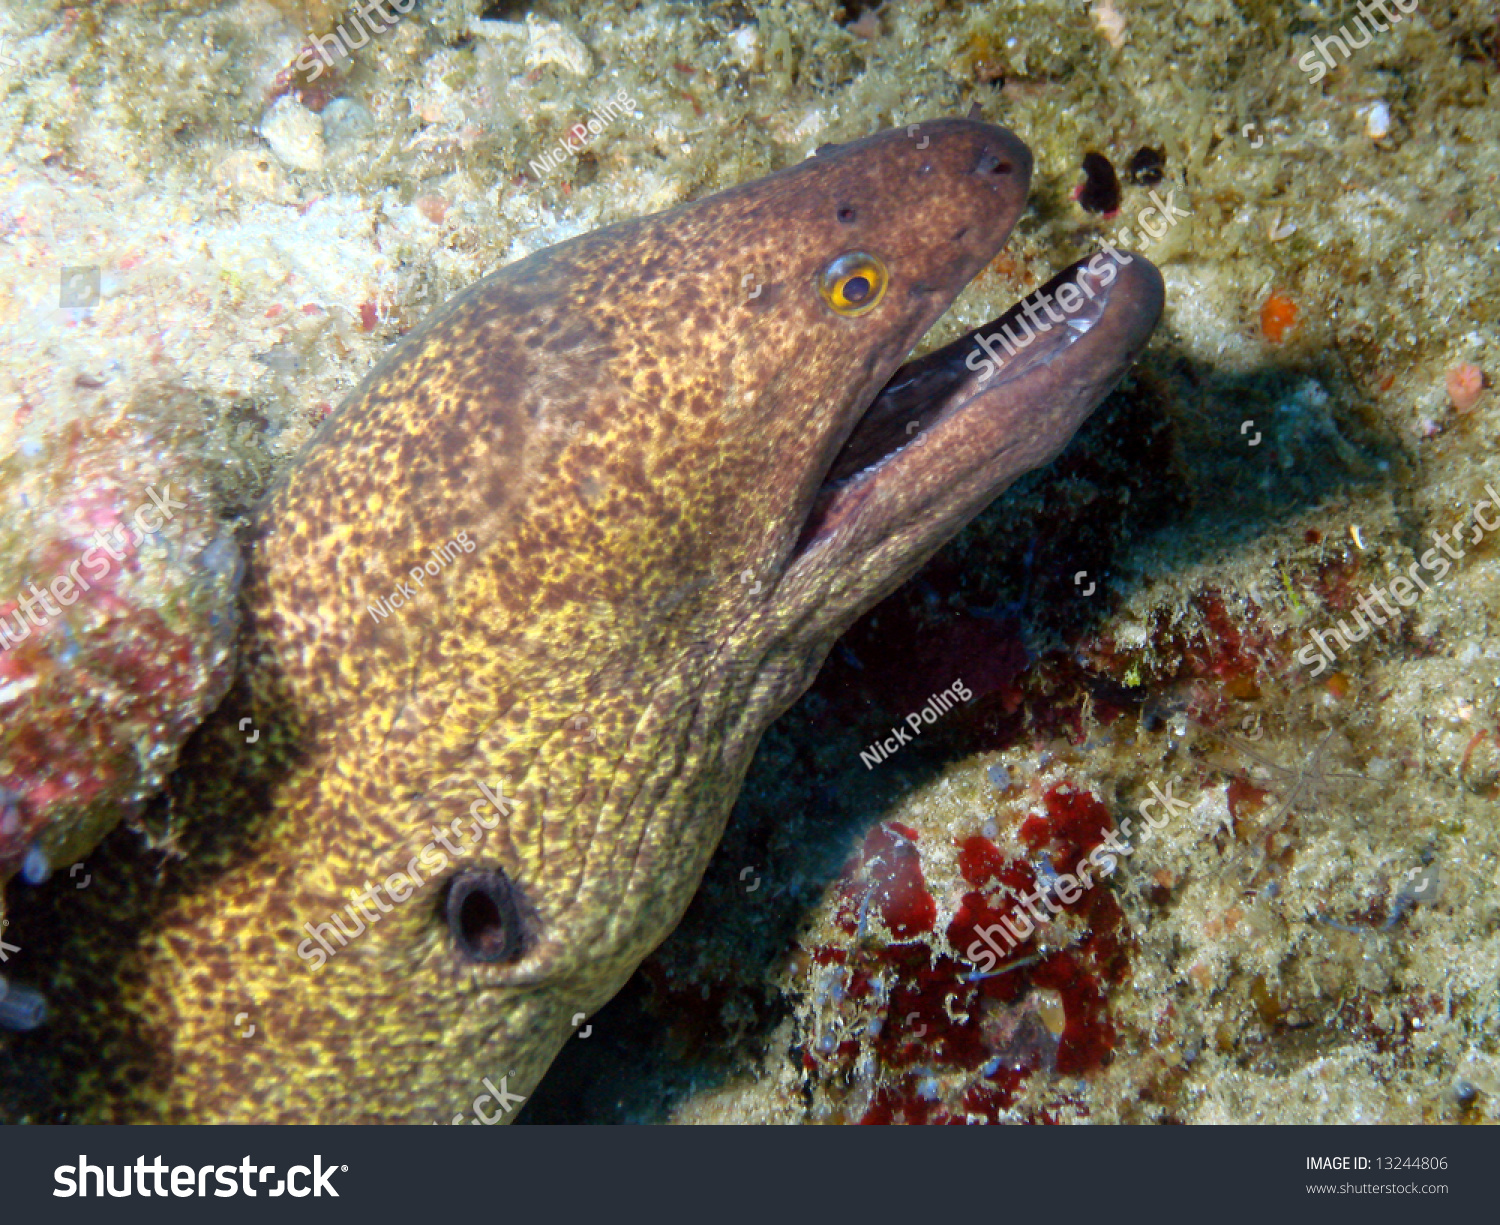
<point x="908" y="1021"/>
<point x="889" y="880"/>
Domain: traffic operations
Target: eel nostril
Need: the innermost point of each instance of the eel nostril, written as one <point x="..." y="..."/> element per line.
<point x="991" y="163"/>
<point x="482" y="915"/>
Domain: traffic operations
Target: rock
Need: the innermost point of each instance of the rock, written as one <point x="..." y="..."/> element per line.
<point x="117" y="619"/>
<point x="295" y="135"/>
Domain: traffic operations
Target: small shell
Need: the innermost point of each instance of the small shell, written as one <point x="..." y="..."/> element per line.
<point x="295" y="135"/>
<point x="1276" y="232"/>
<point x="744" y="47"/>
<point x="1378" y="121"/>
<point x="552" y="43"/>
<point x="1109" y="22"/>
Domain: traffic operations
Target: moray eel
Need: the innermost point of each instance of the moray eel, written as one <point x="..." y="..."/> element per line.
<point x="516" y="619"/>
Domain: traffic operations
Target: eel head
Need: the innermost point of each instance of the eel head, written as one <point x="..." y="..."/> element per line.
<point x="517" y="618"/>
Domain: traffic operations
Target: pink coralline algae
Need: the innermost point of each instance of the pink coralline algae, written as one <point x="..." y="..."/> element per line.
<point x="117" y="589"/>
<point x="1465" y="383"/>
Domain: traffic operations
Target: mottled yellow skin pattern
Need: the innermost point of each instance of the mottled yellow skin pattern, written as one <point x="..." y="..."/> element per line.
<point x="632" y="434"/>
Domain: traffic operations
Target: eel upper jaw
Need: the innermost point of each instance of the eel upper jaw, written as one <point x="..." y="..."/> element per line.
<point x="951" y="430"/>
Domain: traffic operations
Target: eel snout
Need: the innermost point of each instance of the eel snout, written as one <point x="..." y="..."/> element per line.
<point x="951" y="430"/>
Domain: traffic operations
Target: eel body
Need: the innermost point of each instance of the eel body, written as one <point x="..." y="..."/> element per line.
<point x="516" y="619"/>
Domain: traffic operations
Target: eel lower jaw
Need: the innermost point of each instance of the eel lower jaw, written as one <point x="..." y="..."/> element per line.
<point x="951" y="430"/>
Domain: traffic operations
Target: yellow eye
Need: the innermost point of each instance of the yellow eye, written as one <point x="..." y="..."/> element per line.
<point x="853" y="284"/>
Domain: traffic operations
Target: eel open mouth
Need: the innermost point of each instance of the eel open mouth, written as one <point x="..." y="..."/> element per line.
<point x="950" y="430"/>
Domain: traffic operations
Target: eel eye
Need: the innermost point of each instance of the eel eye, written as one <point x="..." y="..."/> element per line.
<point x="482" y="915"/>
<point x="853" y="284"/>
